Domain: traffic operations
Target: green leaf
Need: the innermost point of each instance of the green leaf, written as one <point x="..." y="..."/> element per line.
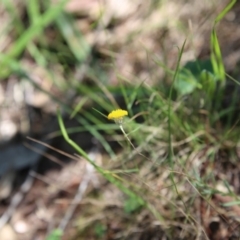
<point x="100" y="230"/>
<point x="233" y="203"/>
<point x="196" y="74"/>
<point x="132" y="204"/>
<point x="55" y="235"/>
<point x="186" y="83"/>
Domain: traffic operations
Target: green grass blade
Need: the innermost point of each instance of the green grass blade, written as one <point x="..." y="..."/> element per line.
<point x="99" y="112"/>
<point x="78" y="107"/>
<point x="133" y="96"/>
<point x="230" y="204"/>
<point x="170" y="105"/>
<point x="95" y="95"/>
<point x="225" y="11"/>
<point x="37" y="55"/>
<point x="216" y="55"/>
<point x="33" y="31"/>
<point x="76" y="42"/>
<point x="170" y="120"/>
<point x="33" y="10"/>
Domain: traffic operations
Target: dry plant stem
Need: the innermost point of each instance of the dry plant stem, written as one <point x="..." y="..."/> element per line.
<point x="77" y="199"/>
<point x="54" y="149"/>
<point x="124" y="133"/>
<point x="87" y="178"/>
<point x="17" y="198"/>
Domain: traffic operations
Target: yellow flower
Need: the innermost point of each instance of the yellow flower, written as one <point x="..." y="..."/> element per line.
<point x="117" y="115"/>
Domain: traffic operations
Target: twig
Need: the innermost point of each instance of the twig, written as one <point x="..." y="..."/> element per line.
<point x="80" y="192"/>
<point x="17" y="198"/>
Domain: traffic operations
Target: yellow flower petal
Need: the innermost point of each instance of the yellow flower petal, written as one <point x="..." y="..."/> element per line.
<point x="117" y="114"/>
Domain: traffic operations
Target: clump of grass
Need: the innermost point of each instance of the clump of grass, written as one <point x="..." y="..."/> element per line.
<point x="183" y="143"/>
<point x="175" y="146"/>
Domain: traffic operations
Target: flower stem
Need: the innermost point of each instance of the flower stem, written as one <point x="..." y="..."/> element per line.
<point x="124" y="133"/>
<point x="121" y="127"/>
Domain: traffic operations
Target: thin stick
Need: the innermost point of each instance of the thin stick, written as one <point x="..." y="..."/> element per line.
<point x="88" y="177"/>
<point x="17" y="198"/>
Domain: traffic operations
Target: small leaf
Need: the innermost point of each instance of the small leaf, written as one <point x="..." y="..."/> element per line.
<point x="132" y="204"/>
<point x="186" y="82"/>
<point x="55" y="235"/>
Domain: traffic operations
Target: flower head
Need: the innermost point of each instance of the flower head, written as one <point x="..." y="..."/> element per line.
<point x="117" y="115"/>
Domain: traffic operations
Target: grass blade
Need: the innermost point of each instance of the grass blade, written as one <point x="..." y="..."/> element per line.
<point x="225" y="11"/>
<point x="76" y="42"/>
<point x="216" y="55"/>
<point x="33" y="31"/>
